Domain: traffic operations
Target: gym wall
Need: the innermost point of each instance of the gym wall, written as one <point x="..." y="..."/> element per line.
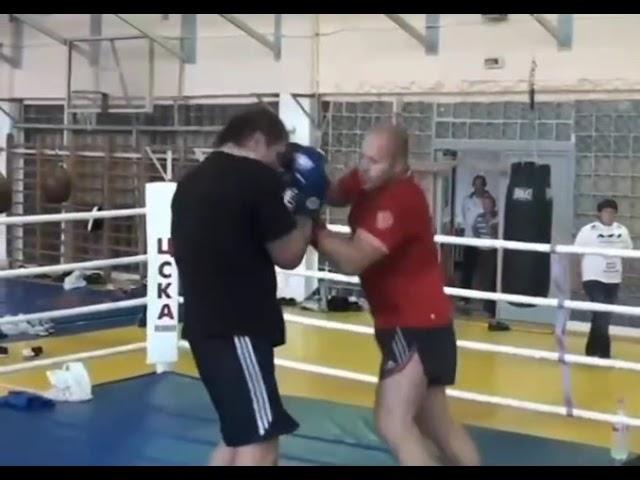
<point x="355" y="53"/>
<point x="364" y="69"/>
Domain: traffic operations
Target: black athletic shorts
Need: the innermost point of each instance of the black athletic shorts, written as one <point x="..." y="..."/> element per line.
<point x="435" y="346"/>
<point x="239" y="375"/>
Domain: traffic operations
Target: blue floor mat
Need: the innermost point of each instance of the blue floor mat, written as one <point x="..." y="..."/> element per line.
<point x="168" y="420"/>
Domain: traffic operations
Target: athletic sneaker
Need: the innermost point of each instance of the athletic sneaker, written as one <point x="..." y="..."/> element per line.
<point x="499" y="327"/>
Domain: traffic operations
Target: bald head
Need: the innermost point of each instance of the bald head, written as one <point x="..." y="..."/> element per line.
<point x="385" y="153"/>
<point x="394" y="141"/>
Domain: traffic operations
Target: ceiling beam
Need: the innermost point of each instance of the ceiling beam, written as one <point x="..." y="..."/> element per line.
<point x="151" y="36"/>
<point x="48" y="32"/>
<point x="429" y="40"/>
<point x="562" y="32"/>
<point x="189" y="36"/>
<point x="275" y="45"/>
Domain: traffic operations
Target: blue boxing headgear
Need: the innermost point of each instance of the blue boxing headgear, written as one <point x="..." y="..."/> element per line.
<point x="306" y="179"/>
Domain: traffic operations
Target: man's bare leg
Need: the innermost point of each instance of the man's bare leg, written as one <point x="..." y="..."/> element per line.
<point x="258" y="454"/>
<point x="398" y="400"/>
<point x="222" y="456"/>
<point x="437" y="424"/>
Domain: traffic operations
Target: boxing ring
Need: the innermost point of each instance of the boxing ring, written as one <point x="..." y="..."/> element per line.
<point x="153" y="411"/>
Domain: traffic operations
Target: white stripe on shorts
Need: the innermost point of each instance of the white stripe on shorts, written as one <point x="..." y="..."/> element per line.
<point x="259" y="399"/>
<point x="400" y="346"/>
<point x="262" y="390"/>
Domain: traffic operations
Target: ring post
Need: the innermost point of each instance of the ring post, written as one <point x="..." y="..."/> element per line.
<point x="162" y="278"/>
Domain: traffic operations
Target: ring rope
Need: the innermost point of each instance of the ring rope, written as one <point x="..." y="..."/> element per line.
<point x="461" y="394"/>
<point x="479" y="346"/>
<point x="471" y="345"/>
<point x="73" y="357"/>
<point x="445" y="239"/>
<point x="73" y="216"/>
<point x="482" y="295"/>
<point x="509" y="402"/>
<point x="68" y="267"/>
<point x="362" y="329"/>
<point x="72" y="312"/>
<point x="521" y="246"/>
<point x="58" y="152"/>
<point x="536" y="247"/>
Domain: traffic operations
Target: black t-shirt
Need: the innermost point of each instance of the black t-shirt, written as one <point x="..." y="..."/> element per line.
<point x="224" y="212"/>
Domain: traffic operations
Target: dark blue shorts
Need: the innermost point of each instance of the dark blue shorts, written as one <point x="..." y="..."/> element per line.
<point x="436" y="348"/>
<point x="239" y="375"/>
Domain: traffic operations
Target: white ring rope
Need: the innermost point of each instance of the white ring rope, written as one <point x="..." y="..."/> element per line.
<point x="461" y="394"/>
<point x="74" y="216"/>
<point x="327" y="324"/>
<point x="73" y="357"/>
<point x="57" y="152"/>
<point x="445" y="239"/>
<point x="345" y="374"/>
<point x="68" y="267"/>
<point x="536" y="247"/>
<point x="521" y="246"/>
<point x="478" y="346"/>
<point x="481" y="295"/>
<point x="73" y="312"/>
<point x="500" y="244"/>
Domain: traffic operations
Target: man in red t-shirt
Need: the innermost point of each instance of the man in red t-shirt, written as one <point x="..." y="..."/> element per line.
<point x="393" y="252"/>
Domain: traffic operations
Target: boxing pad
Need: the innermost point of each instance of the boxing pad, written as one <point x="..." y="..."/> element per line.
<point x="527" y="219"/>
<point x="306" y="180"/>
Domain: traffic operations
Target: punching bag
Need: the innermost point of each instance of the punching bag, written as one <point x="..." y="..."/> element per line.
<point x="6" y="194"/>
<point x="57" y="185"/>
<point x="543" y="178"/>
<point x="527" y="218"/>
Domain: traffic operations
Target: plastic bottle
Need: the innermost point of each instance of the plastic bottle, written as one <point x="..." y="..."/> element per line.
<point x="620" y="436"/>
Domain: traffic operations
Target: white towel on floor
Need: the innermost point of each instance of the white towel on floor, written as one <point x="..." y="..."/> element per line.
<point x="71" y="383"/>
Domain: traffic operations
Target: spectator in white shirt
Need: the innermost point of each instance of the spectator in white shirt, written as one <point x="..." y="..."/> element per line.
<point x="469" y="211"/>
<point x="602" y="275"/>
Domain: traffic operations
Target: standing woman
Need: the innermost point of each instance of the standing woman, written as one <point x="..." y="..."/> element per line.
<point x="602" y="275"/>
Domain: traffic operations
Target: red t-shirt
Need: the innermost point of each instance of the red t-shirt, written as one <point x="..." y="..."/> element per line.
<point x="404" y="288"/>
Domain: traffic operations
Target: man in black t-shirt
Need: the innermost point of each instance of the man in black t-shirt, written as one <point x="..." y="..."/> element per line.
<point x="229" y="227"/>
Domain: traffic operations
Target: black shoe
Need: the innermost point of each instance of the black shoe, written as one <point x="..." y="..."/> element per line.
<point x="598" y="351"/>
<point x="4" y="351"/>
<point x="287" y="302"/>
<point x="499" y="327"/>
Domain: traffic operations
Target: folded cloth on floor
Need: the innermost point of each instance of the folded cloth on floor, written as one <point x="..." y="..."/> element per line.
<point x="19" y="400"/>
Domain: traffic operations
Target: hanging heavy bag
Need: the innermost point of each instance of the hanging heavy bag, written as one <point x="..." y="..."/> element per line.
<point x="526" y="214"/>
<point x="5" y="194"/>
<point x="543" y="271"/>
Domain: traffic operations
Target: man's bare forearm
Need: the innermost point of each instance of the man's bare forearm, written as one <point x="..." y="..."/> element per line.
<point x="341" y="252"/>
<point x="288" y="252"/>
